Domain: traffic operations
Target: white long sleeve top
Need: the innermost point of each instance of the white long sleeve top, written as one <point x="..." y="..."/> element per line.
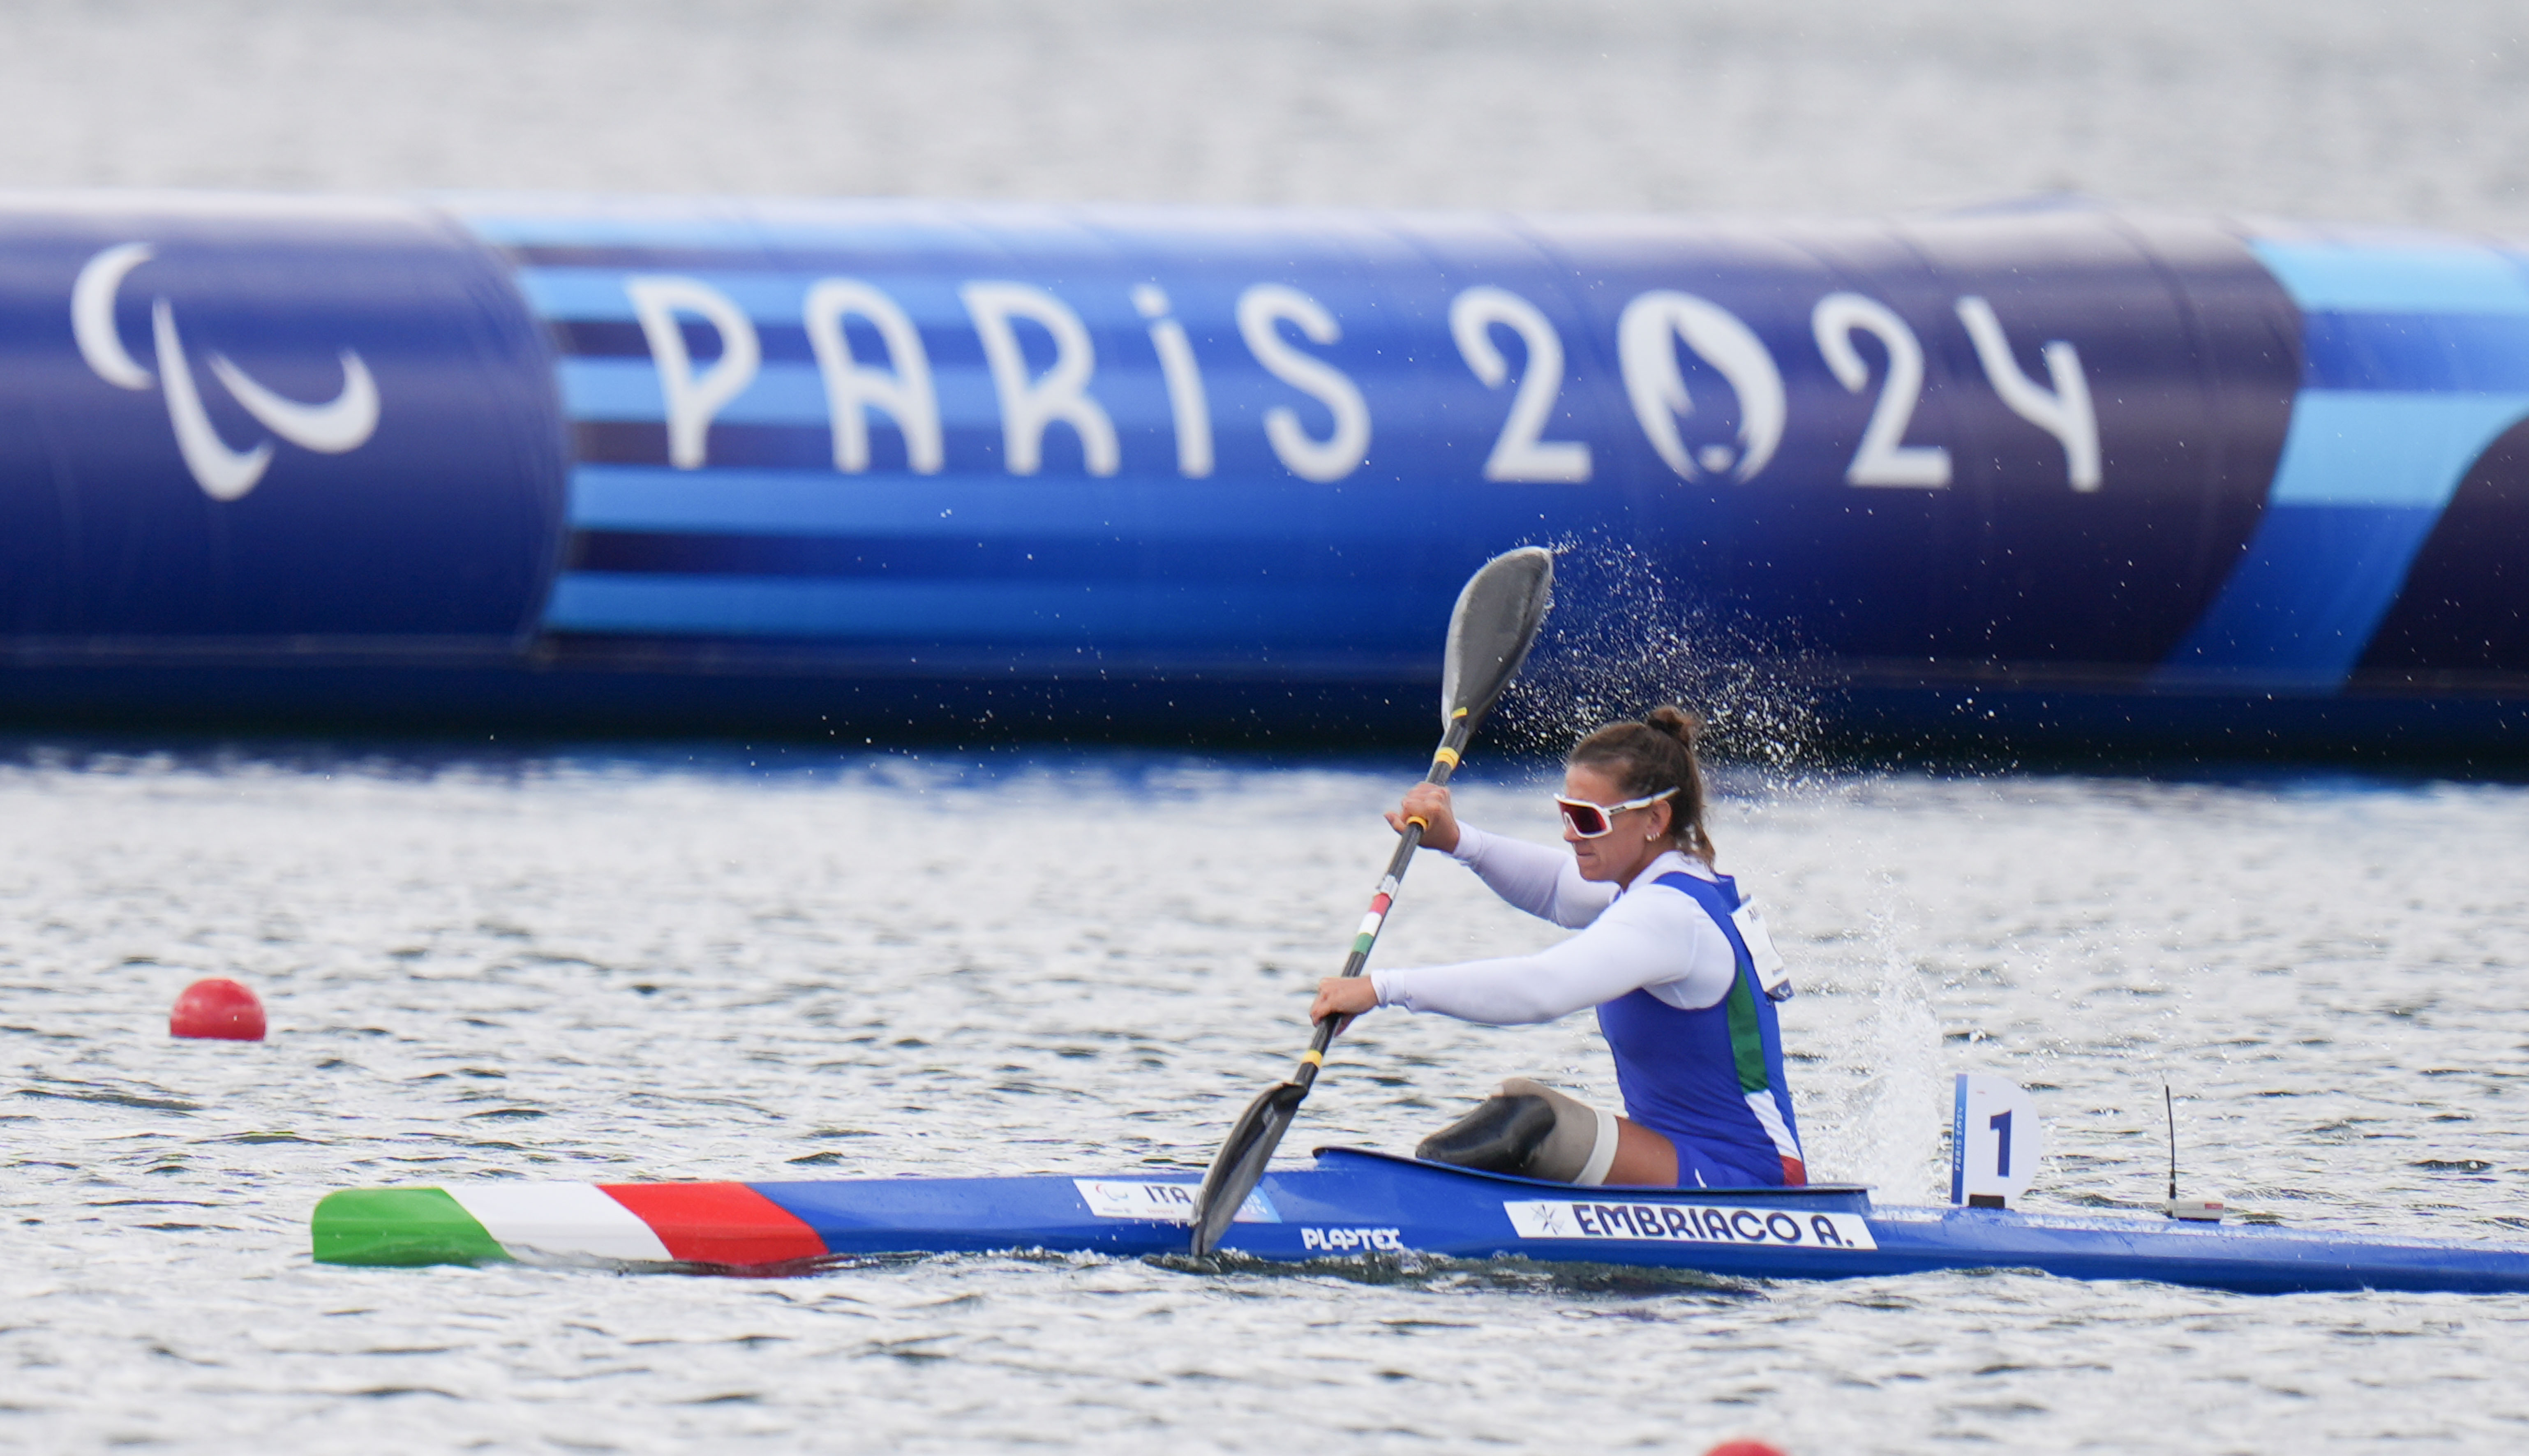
<point x="1664" y="943"/>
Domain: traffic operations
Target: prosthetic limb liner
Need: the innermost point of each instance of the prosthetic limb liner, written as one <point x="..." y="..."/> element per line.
<point x="1533" y="1130"/>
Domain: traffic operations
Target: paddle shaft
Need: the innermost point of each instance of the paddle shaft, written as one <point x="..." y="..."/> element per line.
<point x="1444" y="762"/>
<point x="1490" y="631"/>
<point x="1235" y="1173"/>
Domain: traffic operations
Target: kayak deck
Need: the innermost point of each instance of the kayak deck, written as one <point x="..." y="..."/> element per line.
<point x="1355" y="1201"/>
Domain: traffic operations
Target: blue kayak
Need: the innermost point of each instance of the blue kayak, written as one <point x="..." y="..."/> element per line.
<point x="1355" y="1203"/>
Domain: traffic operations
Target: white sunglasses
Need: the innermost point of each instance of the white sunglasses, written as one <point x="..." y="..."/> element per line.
<point x="1597" y="821"/>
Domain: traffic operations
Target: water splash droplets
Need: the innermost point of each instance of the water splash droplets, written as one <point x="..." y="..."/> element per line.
<point x="1883" y="1126"/>
<point x="1622" y="640"/>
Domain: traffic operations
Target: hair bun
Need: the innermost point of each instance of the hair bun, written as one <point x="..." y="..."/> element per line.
<point x="1686" y="727"/>
<point x="1655" y="755"/>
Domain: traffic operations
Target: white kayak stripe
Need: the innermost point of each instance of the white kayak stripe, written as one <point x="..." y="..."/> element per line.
<point x="563" y="1220"/>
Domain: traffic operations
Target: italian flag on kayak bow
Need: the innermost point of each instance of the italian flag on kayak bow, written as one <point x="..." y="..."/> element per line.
<point x="718" y="1224"/>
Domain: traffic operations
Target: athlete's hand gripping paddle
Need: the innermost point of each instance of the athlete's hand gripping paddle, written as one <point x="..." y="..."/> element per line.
<point x="1490" y="634"/>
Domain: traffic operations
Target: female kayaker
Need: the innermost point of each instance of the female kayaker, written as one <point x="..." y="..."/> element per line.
<point x="1666" y="952"/>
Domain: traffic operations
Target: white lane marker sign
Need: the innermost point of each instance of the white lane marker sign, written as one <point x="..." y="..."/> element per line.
<point x="1994" y="1141"/>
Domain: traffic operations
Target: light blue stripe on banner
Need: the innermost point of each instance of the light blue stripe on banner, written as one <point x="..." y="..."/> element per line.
<point x="2353" y="278"/>
<point x="619" y="388"/>
<point x="793" y="393"/>
<point x="778" y="298"/>
<point x="597" y="294"/>
<point x="745" y="227"/>
<point x="2362" y="482"/>
<point x="2365" y="448"/>
<point x="1111" y="615"/>
<point x="818" y="503"/>
<point x="2302" y="603"/>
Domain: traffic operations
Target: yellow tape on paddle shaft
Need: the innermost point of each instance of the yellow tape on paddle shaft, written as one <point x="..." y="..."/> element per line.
<point x="1417" y="821"/>
<point x="1313" y="1057"/>
<point x="1445" y="755"/>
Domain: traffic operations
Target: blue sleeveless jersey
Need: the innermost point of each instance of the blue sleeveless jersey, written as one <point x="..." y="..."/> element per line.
<point x="1710" y="1080"/>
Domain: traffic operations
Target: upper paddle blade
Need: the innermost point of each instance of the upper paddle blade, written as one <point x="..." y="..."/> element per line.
<point x="1241" y="1164"/>
<point x="1490" y="631"/>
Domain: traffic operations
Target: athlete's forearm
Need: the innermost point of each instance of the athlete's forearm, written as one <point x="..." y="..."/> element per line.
<point x="1521" y="990"/>
<point x="1540" y="879"/>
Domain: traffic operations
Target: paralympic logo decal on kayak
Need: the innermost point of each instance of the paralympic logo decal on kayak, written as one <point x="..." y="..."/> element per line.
<point x="341" y="424"/>
<point x="1690" y="1223"/>
<point x="1172" y="1202"/>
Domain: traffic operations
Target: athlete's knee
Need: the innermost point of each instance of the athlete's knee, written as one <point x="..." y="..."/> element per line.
<point x="1531" y="1129"/>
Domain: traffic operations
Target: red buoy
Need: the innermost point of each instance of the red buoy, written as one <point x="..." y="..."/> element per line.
<point x="217" y="1007"/>
<point x="1744" y="1448"/>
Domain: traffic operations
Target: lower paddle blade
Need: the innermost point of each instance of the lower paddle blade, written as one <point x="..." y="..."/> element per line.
<point x="1240" y="1166"/>
<point x="1493" y="625"/>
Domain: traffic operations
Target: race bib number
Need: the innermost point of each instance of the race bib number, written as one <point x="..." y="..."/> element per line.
<point x="1771" y="973"/>
<point x="1690" y="1223"/>
<point x="1169" y="1203"/>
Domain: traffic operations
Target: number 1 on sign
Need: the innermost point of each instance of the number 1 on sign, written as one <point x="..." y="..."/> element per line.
<point x="1994" y="1141"/>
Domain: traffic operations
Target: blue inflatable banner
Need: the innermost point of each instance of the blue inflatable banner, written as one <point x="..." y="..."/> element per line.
<point x="2054" y="473"/>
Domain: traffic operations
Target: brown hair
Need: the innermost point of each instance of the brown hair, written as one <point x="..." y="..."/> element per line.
<point x="1655" y="754"/>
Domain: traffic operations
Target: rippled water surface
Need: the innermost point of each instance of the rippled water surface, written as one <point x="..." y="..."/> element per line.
<point x="660" y="966"/>
<point x="2403" y="114"/>
<point x="656" y="965"/>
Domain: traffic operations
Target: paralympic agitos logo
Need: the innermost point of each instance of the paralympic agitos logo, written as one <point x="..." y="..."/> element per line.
<point x="342" y="423"/>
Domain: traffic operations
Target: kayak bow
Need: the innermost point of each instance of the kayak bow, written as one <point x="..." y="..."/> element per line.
<point x="1358" y="1203"/>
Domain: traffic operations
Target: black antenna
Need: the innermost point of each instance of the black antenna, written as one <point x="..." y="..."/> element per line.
<point x="2170" y="1105"/>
